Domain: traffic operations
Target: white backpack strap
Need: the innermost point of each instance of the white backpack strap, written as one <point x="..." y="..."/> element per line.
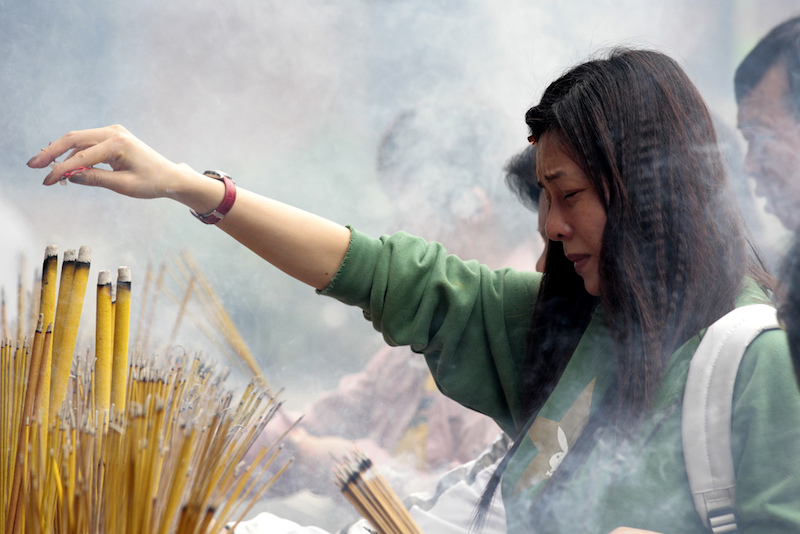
<point x="707" y="407"/>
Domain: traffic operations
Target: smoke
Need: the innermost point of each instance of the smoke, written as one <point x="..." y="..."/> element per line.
<point x="293" y="99"/>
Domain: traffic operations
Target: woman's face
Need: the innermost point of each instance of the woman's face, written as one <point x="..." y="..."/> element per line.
<point x="576" y="216"/>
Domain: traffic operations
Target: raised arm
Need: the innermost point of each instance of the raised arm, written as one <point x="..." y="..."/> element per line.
<point x="303" y="245"/>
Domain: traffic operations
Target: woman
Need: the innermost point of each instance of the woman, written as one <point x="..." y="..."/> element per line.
<point x="585" y="364"/>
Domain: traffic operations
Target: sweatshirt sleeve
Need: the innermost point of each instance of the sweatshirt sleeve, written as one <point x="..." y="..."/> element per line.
<point x="470" y="322"/>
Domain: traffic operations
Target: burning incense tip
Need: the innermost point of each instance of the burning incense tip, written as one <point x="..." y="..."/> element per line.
<point x="50" y="251"/>
<point x="123" y="274"/>
<point x="103" y="278"/>
<point x="76" y="449"/>
<point x="85" y="254"/>
<point x="372" y="496"/>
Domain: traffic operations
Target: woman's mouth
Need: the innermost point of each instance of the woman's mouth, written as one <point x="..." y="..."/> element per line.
<point x="579" y="261"/>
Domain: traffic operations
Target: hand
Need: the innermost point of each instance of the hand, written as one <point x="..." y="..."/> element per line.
<point x="319" y="452"/>
<point x="138" y="170"/>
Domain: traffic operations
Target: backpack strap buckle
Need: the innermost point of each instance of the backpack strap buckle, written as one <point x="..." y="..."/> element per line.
<point x="722" y="520"/>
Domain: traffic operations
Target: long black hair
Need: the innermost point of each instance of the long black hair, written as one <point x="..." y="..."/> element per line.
<point x="674" y="251"/>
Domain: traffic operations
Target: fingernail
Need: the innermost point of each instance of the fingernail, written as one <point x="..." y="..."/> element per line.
<point x="78" y="178"/>
<point x="30" y="161"/>
<point x="75" y="171"/>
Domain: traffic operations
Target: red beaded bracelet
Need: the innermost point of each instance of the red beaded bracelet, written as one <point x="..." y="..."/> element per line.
<point x="216" y="215"/>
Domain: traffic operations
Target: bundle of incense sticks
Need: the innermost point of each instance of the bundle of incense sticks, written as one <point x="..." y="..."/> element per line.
<point x="104" y="443"/>
<point x="372" y="496"/>
<point x="181" y="279"/>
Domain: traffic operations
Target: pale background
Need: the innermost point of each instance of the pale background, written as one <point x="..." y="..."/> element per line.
<point x="292" y="98"/>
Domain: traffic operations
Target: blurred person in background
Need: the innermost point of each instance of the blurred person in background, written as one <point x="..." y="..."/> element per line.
<point x="767" y="88"/>
<point x="439" y="167"/>
<point x="447" y="506"/>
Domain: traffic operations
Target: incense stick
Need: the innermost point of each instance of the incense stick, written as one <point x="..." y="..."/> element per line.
<point x="218" y="316"/>
<point x="371" y="495"/>
<point x="104" y="344"/>
<point x="122" y="317"/>
<point x="67" y="335"/>
<point x="170" y="461"/>
<point x="48" y="302"/>
<point x="62" y="302"/>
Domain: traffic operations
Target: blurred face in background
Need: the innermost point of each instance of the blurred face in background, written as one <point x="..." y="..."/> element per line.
<point x="772" y="132"/>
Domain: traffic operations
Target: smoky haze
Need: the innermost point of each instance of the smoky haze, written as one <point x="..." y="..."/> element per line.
<point x="293" y="100"/>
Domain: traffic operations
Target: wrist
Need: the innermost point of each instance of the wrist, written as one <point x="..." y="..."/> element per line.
<point x="193" y="189"/>
<point x="228" y="198"/>
<point x="199" y="192"/>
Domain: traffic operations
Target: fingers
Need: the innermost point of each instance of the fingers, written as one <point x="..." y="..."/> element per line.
<point x="117" y="181"/>
<point x="87" y="176"/>
<point x="80" y="161"/>
<point x="136" y="169"/>
<point x="75" y="141"/>
<point x="86" y="148"/>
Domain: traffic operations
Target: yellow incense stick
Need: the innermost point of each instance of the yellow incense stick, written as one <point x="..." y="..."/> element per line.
<point x="64" y="343"/>
<point x="372" y="496"/>
<point x="41" y="398"/>
<point x="169" y="463"/>
<point x="64" y="287"/>
<point x="47" y="306"/>
<point x="104" y="344"/>
<point x="122" y="318"/>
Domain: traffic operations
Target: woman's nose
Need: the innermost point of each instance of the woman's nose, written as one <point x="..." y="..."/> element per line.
<point x="557" y="227"/>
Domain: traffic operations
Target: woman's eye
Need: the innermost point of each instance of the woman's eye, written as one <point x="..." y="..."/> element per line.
<point x="571" y="194"/>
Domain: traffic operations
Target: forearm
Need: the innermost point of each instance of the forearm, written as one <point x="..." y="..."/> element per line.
<point x="303" y="245"/>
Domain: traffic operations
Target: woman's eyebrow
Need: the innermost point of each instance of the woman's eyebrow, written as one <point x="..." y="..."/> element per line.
<point x="553" y="176"/>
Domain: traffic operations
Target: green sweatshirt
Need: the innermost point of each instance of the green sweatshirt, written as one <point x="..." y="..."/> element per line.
<point x="471" y="324"/>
